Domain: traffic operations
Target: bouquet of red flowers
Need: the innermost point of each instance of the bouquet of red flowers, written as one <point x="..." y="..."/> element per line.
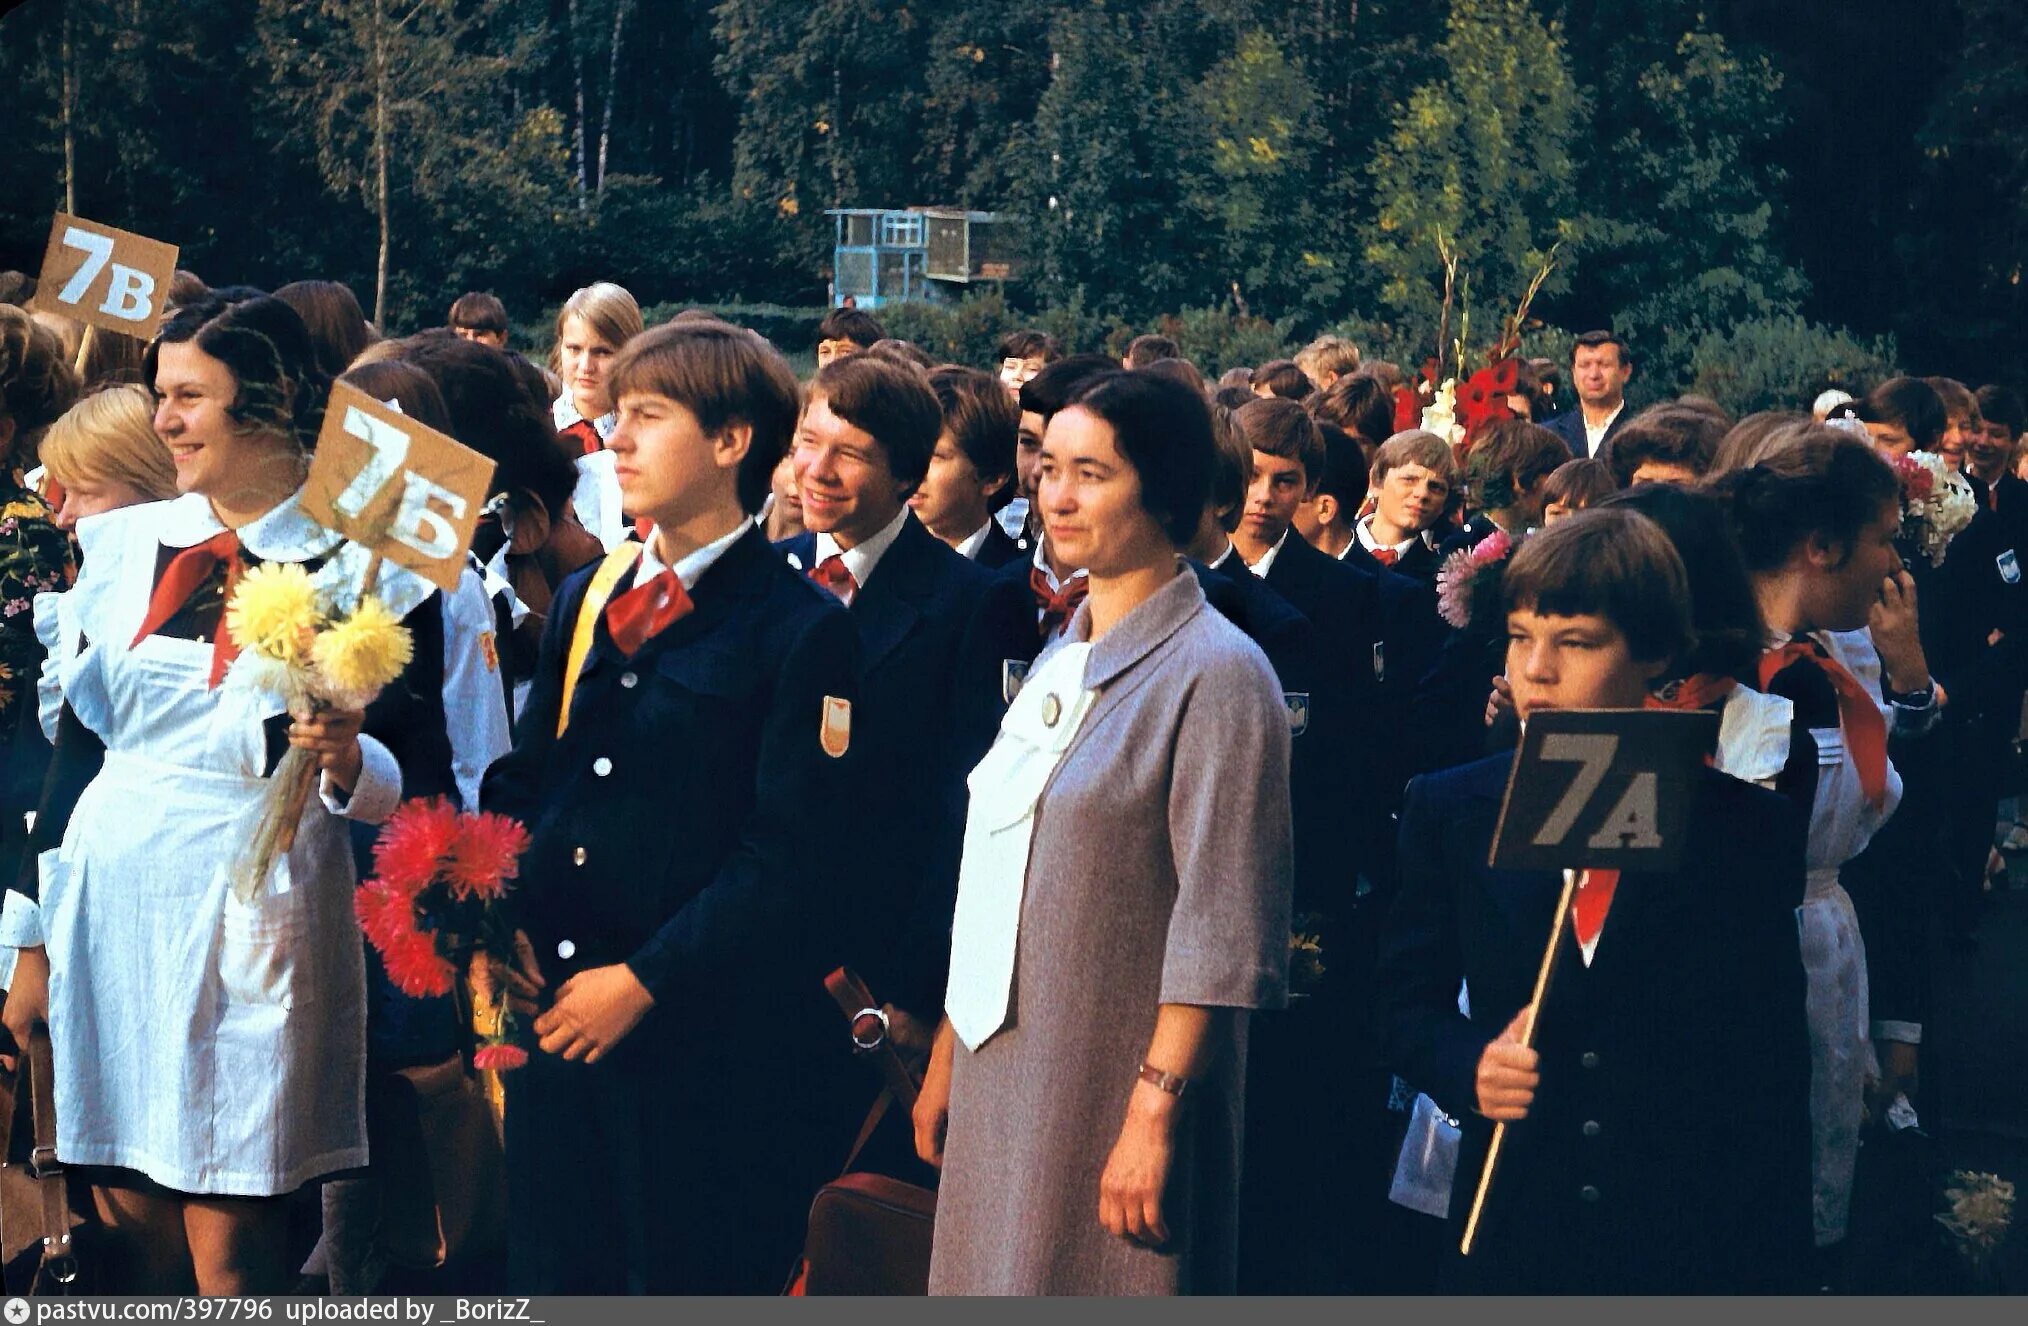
<point x="434" y="903"/>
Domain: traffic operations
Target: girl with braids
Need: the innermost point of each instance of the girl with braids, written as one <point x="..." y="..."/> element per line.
<point x="1816" y="519"/>
<point x="209" y="1051"/>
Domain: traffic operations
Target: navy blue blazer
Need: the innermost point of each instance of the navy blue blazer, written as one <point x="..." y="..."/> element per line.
<point x="1668" y="1148"/>
<point x="1570" y="427"/>
<point x="1419" y="563"/>
<point x="688" y="822"/>
<point x="931" y="648"/>
<point x="998" y="549"/>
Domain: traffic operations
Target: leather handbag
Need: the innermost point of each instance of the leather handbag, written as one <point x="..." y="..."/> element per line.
<point x="40" y="1230"/>
<point x="436" y="1146"/>
<point x="869" y="1233"/>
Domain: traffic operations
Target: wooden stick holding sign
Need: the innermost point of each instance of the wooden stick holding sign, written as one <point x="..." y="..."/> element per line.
<point x="1596" y="789"/>
<point x="399" y="489"/>
<point x="104" y="277"/>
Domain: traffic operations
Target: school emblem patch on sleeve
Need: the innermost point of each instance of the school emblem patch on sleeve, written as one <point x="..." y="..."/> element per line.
<point x="489" y="648"/>
<point x="1298" y="703"/>
<point x="834" y="734"/>
<point x="2010" y="567"/>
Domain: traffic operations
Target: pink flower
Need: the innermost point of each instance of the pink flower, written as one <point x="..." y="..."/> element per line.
<point x="485" y="855"/>
<point x="414" y="843"/>
<point x="386" y="914"/>
<point x="1493" y="547"/>
<point x="1917" y="483"/>
<point x="499" y="1057"/>
<point x="415" y="966"/>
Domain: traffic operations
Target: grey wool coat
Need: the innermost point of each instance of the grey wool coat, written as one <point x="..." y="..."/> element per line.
<point x="1158" y="872"/>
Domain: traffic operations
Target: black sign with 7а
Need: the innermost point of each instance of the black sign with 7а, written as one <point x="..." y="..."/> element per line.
<point x="1602" y="789"/>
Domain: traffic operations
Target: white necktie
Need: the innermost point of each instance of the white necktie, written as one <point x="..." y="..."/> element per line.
<point x="985" y="929"/>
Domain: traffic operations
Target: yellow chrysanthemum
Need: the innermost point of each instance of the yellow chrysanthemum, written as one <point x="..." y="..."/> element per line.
<point x="362" y="654"/>
<point x="274" y="611"/>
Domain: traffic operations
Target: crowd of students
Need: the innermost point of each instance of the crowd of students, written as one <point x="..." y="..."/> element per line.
<point x="1139" y="740"/>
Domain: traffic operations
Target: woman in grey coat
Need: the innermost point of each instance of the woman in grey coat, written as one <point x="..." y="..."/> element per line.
<point x="1124" y="899"/>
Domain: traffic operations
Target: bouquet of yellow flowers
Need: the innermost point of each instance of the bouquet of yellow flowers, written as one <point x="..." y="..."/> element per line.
<point x="299" y="644"/>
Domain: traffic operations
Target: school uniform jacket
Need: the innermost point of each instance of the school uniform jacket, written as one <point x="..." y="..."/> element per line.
<point x="1377" y="630"/>
<point x="999" y="548"/>
<point x="929" y="672"/>
<point x="1419" y="563"/>
<point x="1668" y="1147"/>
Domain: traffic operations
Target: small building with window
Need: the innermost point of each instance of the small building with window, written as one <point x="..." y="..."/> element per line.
<point x="891" y="255"/>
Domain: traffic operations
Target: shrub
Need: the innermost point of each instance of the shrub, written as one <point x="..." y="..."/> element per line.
<point x="1783" y="363"/>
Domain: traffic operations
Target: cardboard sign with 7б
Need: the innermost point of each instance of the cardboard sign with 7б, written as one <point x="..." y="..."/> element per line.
<point x="396" y="486"/>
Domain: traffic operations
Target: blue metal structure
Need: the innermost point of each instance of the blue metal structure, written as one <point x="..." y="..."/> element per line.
<point x="890" y="255"/>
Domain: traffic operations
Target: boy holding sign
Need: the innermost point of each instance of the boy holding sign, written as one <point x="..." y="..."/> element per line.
<point x="1658" y="1129"/>
<point x="684" y="766"/>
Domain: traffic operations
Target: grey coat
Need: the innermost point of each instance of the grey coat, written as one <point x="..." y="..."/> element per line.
<point x="1159" y="872"/>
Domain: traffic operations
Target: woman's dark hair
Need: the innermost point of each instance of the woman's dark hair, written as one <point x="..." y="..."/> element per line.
<point x="1724" y="615"/>
<point x="1911" y="403"/>
<point x="413" y="391"/>
<point x="337" y="324"/>
<point x="1508" y="459"/>
<point x="1615" y="564"/>
<point x="1164" y="430"/>
<point x="1359" y="403"/>
<point x="1668" y="434"/>
<point x="278" y="386"/>
<point x="1582" y="483"/>
<point x="487" y="407"/>
<point x="1749" y="439"/>
<point x="1818" y="481"/>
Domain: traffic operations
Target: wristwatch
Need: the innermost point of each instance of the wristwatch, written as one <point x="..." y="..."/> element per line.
<point x="1173" y="1083"/>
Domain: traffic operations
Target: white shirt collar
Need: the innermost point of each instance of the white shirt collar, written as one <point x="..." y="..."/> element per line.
<point x="969" y="546"/>
<point x="563" y="410"/>
<point x="1041" y="563"/>
<point x="689" y="568"/>
<point x="1267" y="559"/>
<point x="1371" y="544"/>
<point x="863" y="559"/>
<point x="1594" y="436"/>
<point x="1219" y="560"/>
<point x="284" y="534"/>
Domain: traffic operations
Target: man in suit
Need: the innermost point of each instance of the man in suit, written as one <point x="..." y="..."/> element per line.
<point x="972" y="467"/>
<point x="929" y="657"/>
<point x="1600" y="368"/>
<point x="1659" y="1136"/>
<point x="686" y="768"/>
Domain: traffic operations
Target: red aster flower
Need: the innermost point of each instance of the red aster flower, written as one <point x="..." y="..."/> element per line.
<point x="485" y="855"/>
<point x="414" y="842"/>
<point x="499" y="1057"/>
<point x="1482" y="397"/>
<point x="385" y="914"/>
<point x="415" y="966"/>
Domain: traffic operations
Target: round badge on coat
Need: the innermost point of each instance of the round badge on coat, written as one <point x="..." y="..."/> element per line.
<point x="1052" y="709"/>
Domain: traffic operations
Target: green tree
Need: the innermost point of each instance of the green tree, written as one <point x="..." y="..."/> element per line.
<point x="1277" y="246"/>
<point x="1688" y="240"/>
<point x="402" y="95"/>
<point x="1480" y="155"/>
<point x="1113" y="226"/>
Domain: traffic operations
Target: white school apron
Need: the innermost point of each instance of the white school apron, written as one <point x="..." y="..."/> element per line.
<point x="217" y="1047"/>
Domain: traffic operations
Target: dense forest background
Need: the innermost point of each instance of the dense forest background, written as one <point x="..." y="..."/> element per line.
<point x="1824" y="185"/>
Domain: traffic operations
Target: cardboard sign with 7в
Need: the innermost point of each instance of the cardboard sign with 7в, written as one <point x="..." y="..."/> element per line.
<point x="396" y="486"/>
<point x="107" y="278"/>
